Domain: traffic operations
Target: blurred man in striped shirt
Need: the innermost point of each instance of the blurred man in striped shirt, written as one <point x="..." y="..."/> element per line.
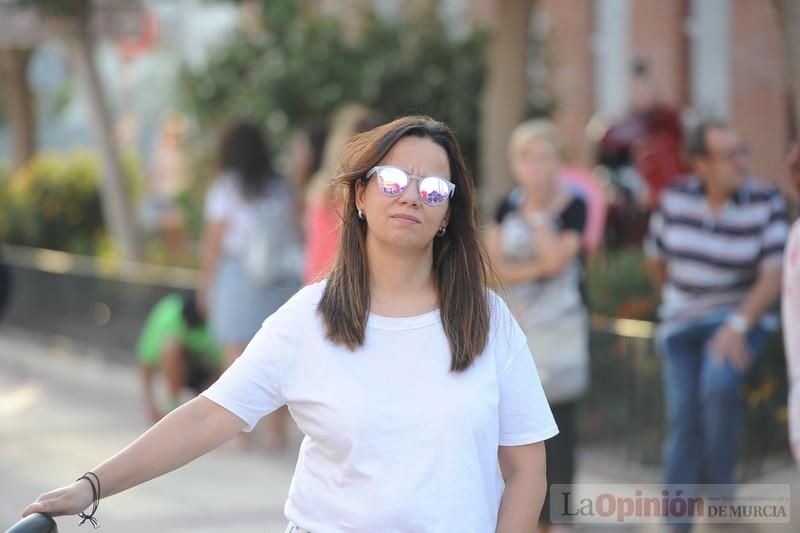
<point x="715" y="249"/>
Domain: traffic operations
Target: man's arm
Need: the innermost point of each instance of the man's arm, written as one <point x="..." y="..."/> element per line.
<point x="655" y="253"/>
<point x="730" y="342"/>
<point x="657" y="272"/>
<point x="761" y="296"/>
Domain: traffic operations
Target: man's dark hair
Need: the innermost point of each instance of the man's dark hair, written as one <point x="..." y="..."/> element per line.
<point x="697" y="140"/>
<point x="192" y="316"/>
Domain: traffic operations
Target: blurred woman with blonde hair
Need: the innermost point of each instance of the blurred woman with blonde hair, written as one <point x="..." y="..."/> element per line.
<point x="535" y="245"/>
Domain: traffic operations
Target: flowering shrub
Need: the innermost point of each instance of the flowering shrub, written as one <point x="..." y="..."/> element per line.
<point x="54" y="202"/>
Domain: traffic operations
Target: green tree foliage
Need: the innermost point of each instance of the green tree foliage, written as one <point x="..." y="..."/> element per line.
<point x="299" y="69"/>
<point x="60" y="8"/>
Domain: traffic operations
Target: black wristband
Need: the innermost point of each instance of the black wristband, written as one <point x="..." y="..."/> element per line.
<point x="95" y="499"/>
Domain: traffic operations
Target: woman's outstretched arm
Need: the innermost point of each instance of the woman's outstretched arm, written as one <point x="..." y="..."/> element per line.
<point x="185" y="434"/>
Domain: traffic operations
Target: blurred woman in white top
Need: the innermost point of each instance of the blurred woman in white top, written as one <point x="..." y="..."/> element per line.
<point x="246" y="184"/>
<point x="246" y="206"/>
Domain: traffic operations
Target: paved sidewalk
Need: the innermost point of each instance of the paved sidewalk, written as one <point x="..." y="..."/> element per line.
<point x="62" y="412"/>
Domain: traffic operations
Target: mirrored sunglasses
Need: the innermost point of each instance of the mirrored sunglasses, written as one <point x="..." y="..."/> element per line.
<point x="393" y="181"/>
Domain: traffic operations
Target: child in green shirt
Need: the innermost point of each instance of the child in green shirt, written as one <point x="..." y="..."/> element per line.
<point x="176" y="341"/>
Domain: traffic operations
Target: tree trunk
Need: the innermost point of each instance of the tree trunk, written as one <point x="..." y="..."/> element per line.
<point x="19" y="103"/>
<point x="505" y="96"/>
<point x="115" y="199"/>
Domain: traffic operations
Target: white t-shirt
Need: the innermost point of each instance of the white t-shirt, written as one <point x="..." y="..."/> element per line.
<point x="224" y="202"/>
<point x="790" y="306"/>
<point x="394" y="441"/>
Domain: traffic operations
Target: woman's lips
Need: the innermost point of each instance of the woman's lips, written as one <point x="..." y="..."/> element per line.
<point x="407" y="218"/>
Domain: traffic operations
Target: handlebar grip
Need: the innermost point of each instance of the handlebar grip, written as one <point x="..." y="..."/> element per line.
<point x="35" y="523"/>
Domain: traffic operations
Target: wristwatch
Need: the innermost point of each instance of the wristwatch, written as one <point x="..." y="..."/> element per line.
<point x="738" y="323"/>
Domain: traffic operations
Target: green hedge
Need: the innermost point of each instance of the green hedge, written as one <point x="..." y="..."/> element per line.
<point x="54" y="202"/>
<point x="618" y="286"/>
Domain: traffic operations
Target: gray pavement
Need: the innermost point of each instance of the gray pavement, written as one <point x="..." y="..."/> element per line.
<point x="63" y="409"/>
<point x="62" y="412"/>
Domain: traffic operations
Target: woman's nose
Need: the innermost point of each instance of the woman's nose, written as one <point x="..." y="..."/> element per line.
<point x="411" y="194"/>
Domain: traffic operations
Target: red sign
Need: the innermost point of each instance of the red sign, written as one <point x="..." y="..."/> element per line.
<point x="130" y="48"/>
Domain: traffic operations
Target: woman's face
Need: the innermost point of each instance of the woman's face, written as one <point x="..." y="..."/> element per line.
<point x="535" y="164"/>
<point x="404" y="220"/>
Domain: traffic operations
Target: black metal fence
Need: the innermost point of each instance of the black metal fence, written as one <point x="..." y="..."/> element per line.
<point x="623" y="415"/>
<point x="101" y="305"/>
<point x="623" y="410"/>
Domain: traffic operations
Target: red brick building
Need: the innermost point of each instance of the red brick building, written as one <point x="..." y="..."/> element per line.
<point x="722" y="58"/>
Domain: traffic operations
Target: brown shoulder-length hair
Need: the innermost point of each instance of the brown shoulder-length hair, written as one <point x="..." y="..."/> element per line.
<point x="460" y="264"/>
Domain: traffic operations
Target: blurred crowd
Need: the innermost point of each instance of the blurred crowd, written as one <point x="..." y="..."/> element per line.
<point x="715" y="238"/>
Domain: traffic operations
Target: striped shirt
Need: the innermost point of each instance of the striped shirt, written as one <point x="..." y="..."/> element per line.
<point x="714" y="259"/>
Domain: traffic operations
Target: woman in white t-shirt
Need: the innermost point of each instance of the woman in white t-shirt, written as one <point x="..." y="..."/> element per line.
<point x="409" y="378"/>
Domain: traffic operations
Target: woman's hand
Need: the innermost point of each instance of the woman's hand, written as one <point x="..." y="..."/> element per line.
<point x="64" y="501"/>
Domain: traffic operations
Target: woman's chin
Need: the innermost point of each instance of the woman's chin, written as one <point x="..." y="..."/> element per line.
<point x="406" y="240"/>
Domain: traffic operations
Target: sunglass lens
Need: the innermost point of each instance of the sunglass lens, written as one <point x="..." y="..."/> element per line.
<point x="392" y="181"/>
<point x="433" y="191"/>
